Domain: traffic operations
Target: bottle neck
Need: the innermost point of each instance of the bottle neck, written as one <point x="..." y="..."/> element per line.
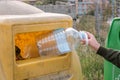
<point x="83" y="36"/>
<point x="72" y="37"/>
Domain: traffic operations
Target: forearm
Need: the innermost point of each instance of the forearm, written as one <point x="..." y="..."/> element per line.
<point x="110" y="55"/>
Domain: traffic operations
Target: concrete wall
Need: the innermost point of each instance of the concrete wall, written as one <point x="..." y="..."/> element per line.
<point x="64" y="9"/>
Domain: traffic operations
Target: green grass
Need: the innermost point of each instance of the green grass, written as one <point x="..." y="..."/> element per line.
<point x="92" y="64"/>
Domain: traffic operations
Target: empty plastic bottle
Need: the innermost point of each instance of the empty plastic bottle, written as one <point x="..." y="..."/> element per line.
<point x="60" y="41"/>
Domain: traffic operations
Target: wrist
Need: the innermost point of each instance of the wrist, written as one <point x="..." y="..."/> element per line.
<point x="97" y="47"/>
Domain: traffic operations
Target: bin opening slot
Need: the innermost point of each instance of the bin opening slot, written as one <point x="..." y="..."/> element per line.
<point x="25" y="44"/>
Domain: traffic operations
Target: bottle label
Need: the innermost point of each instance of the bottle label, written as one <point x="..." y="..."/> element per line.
<point x="61" y="41"/>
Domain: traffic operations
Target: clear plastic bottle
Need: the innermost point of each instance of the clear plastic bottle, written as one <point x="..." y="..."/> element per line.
<point x="60" y="42"/>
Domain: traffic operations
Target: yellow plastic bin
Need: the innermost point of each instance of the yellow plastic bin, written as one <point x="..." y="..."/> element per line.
<point x="21" y="30"/>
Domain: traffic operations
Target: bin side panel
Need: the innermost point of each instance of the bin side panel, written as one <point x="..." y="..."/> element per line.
<point x="6" y="50"/>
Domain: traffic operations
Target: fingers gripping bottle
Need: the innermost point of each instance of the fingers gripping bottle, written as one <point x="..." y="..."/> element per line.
<point x="60" y="42"/>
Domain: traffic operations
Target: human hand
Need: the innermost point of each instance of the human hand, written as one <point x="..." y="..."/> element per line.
<point x="92" y="42"/>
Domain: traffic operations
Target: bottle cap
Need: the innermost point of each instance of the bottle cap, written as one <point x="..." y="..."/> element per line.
<point x="83" y="35"/>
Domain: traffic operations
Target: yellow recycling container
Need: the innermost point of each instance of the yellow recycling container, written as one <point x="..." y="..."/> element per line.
<point x="21" y="31"/>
